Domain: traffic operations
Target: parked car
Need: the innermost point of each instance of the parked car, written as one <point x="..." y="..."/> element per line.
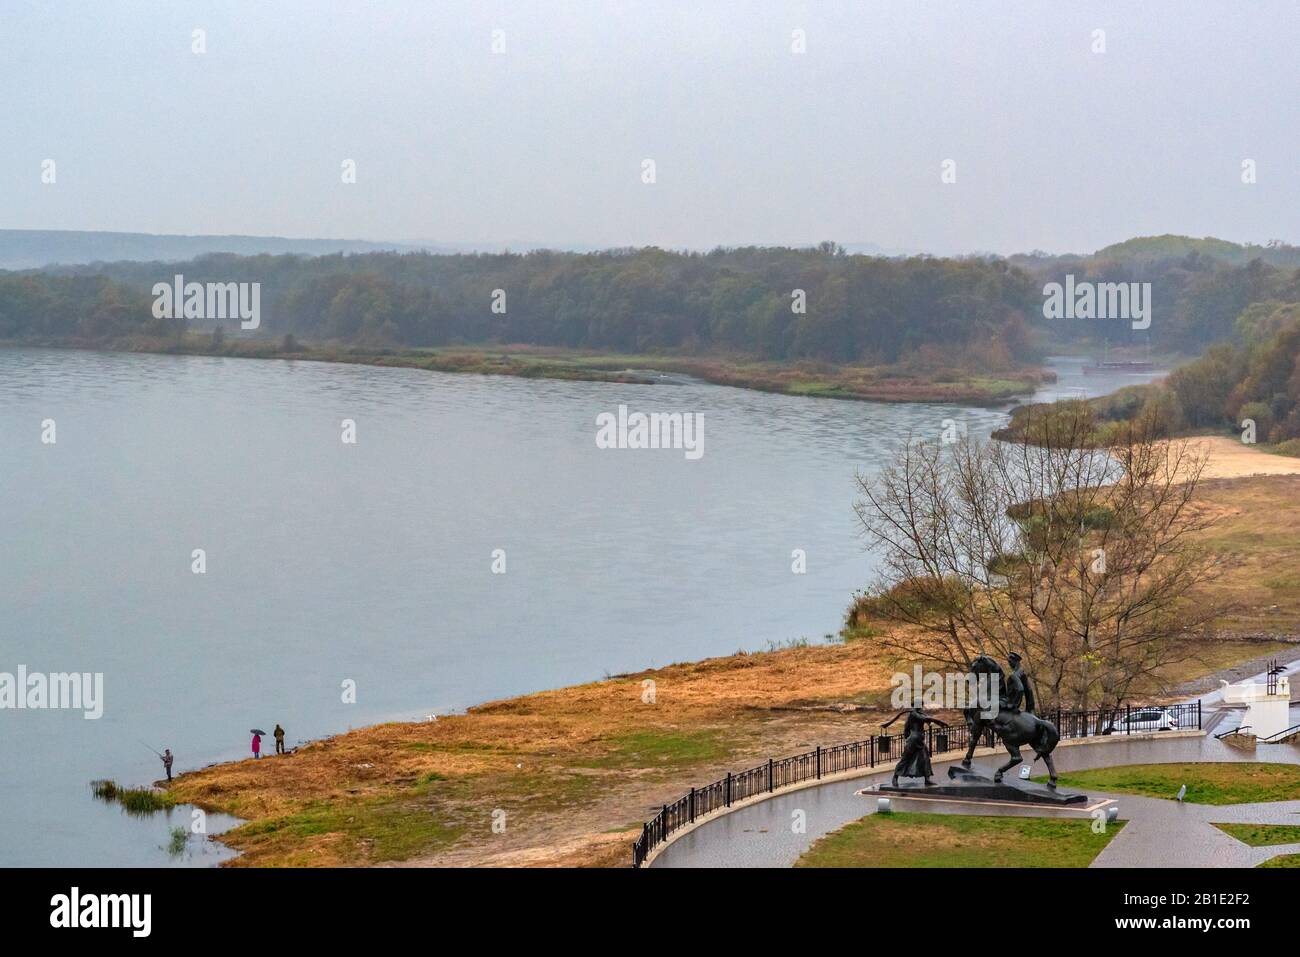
<point x="1148" y="719"/>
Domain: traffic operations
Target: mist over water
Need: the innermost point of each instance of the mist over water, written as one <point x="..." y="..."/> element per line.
<point x="373" y="562"/>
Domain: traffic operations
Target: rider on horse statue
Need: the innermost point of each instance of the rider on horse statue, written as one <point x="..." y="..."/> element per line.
<point x="1018" y="688"/>
<point x="1013" y="725"/>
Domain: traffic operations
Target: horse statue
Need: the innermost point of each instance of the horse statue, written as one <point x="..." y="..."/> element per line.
<point x="1012" y="726"/>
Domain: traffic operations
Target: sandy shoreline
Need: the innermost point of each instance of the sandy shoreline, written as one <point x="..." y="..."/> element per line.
<point x="1230" y="459"/>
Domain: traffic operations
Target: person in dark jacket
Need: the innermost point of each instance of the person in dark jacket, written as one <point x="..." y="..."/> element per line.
<point x="279" y="739"/>
<point x="167" y="762"/>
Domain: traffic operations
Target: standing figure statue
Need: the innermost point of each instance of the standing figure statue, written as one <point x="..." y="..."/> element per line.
<point x="915" y="762"/>
<point x="1012" y="725"/>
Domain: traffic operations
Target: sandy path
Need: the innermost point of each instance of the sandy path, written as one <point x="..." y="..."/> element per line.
<point x="1229" y="458"/>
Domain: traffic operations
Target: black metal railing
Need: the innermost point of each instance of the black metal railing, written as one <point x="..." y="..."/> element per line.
<point x="1279" y="736"/>
<point x="1227" y="734"/>
<point x="1274" y="669"/>
<point x="779" y="773"/>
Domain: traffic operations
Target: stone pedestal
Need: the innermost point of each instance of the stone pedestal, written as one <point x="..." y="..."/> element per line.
<point x="964" y="785"/>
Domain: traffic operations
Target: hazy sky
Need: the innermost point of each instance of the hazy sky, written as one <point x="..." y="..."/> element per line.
<point x="1056" y="146"/>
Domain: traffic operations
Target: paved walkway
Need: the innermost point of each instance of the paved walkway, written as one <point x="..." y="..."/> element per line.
<point x="1162" y="833"/>
<point x="1159" y="833"/>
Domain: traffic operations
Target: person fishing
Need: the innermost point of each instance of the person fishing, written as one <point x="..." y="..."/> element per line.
<point x="164" y="756"/>
<point x="279" y="739"/>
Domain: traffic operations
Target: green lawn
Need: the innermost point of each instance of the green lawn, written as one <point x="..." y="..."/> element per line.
<point x="959" y="840"/>
<point x="662" y="749"/>
<point x="1262" y="835"/>
<point x="389" y="830"/>
<point x="1266" y="835"/>
<point x="1245" y="782"/>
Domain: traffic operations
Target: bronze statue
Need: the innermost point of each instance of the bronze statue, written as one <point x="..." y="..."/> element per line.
<point x="915" y="762"/>
<point x="1018" y="688"/>
<point x="1012" y="725"/>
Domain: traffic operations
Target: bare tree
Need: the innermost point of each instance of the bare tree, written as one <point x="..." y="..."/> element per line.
<point x="1078" y="554"/>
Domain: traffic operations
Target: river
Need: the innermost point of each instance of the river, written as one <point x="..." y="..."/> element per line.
<point x="472" y="543"/>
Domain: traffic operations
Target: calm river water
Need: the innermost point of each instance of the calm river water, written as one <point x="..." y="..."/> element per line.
<point x="371" y="564"/>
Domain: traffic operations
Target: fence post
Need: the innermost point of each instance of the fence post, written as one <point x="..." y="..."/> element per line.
<point x="692" y="805"/>
<point x="728" y="789"/>
<point x="1128" y="719"/>
<point x="871" y="751"/>
<point x="769" y="775"/>
<point x="1198" y="714"/>
<point x="819" y="762"/>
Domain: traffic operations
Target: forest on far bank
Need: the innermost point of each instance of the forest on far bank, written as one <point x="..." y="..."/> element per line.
<point x="768" y="303"/>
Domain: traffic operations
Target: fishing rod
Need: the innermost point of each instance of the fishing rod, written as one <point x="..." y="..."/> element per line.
<point x="154" y="750"/>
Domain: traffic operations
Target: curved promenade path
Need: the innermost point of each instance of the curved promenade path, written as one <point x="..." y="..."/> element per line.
<point x="1159" y="833"/>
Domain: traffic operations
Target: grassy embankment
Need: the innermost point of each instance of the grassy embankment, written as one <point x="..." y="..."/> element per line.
<point x="576" y="770"/>
<point x="959" y="840"/>
<point x="900" y="382"/>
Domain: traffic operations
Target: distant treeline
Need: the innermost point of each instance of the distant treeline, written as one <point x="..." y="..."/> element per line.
<point x="42" y="248"/>
<point x="1198" y="287"/>
<point x="1148" y="249"/>
<point x="771" y="303"/>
